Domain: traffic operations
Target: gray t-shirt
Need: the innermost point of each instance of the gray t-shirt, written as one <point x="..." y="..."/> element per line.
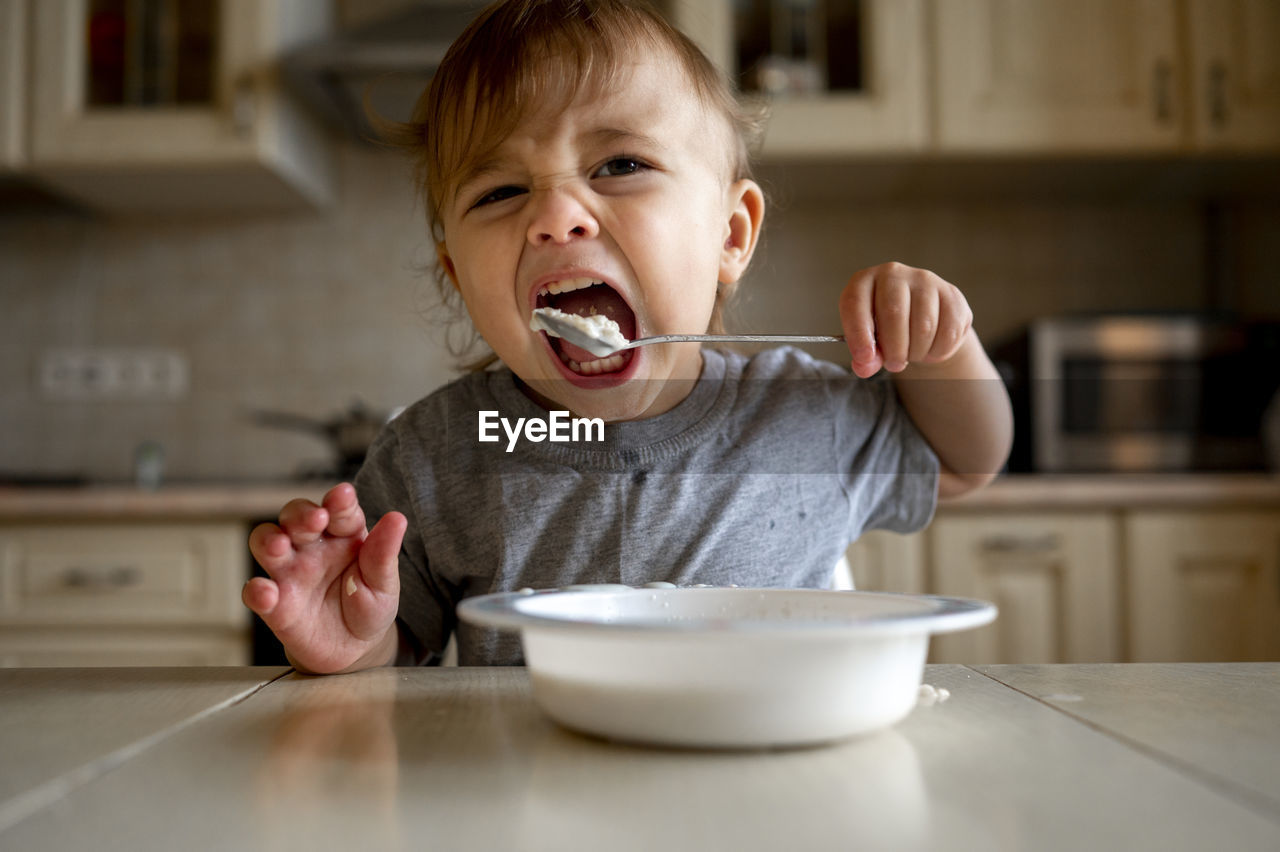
<point x="760" y="477"/>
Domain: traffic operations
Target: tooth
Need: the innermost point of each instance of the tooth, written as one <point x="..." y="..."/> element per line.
<point x="569" y="284"/>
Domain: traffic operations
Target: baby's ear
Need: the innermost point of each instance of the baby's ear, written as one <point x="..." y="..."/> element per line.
<point x="446" y="263"/>
<point x="742" y="230"/>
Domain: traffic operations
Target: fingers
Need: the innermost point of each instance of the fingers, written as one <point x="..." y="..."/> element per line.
<point x="270" y="546"/>
<point x="955" y="320"/>
<point x="346" y="518"/>
<point x="858" y="322"/>
<point x="894" y="315"/>
<point x="893" y="307"/>
<point x="923" y="324"/>
<point x="378" y="560"/>
<point x="303" y="521"/>
<point x="327" y="595"/>
<point x="370" y="589"/>
<point x="260" y="595"/>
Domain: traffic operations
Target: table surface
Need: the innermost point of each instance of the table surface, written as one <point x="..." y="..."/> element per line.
<point x="1130" y="756"/>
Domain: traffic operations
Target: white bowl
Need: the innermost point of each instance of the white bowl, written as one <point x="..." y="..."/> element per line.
<point x="724" y="667"/>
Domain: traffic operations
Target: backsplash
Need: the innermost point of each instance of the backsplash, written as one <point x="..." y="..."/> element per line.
<point x="308" y="314"/>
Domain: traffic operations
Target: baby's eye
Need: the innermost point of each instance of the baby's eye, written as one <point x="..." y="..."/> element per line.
<point x="620" y="166"/>
<point x="500" y="194"/>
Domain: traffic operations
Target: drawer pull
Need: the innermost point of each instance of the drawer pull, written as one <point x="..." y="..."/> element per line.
<point x="102" y="579"/>
<point x="1019" y="544"/>
<point x="1218" y="94"/>
<point x="1162" y="86"/>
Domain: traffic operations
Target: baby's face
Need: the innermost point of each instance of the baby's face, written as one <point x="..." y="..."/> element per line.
<point x="622" y="205"/>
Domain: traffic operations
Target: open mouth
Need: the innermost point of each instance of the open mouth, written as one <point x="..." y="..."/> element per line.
<point x="589" y="297"/>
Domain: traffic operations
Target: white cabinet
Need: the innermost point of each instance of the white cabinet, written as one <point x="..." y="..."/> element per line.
<point x="1116" y="584"/>
<point x="882" y="561"/>
<point x="960" y="77"/>
<point x="1106" y="76"/>
<point x="1204" y="586"/>
<point x="1053" y="576"/>
<point x="123" y="594"/>
<point x="1057" y="75"/>
<point x="13" y="84"/>
<point x="199" y="122"/>
<point x="1235" y="73"/>
<point x="882" y="108"/>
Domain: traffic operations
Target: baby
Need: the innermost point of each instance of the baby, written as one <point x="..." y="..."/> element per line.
<point x="584" y="155"/>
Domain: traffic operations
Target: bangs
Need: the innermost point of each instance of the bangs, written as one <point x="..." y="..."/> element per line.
<point x="490" y="82"/>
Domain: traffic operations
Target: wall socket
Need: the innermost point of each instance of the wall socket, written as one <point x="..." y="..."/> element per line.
<point x="112" y="374"/>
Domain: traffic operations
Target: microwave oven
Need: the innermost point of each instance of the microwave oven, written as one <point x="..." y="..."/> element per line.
<point x="1140" y="393"/>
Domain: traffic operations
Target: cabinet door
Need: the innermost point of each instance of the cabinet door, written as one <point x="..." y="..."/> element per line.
<point x="201" y="128"/>
<point x="122" y="647"/>
<point x="1235" y="74"/>
<point x="78" y="575"/>
<point x="1064" y="76"/>
<point x="882" y="561"/>
<point x="13" y="84"/>
<point x="1204" y="586"/>
<point x="1052" y="576"/>
<point x="886" y="111"/>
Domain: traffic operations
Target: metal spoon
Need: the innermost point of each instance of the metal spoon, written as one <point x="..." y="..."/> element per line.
<point x="578" y="337"/>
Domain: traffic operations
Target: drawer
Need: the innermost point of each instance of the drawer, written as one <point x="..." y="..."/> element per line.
<point x="123" y="574"/>
<point x="124" y="646"/>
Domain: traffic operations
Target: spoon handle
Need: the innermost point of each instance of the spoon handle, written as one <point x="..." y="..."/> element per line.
<point x="736" y="338"/>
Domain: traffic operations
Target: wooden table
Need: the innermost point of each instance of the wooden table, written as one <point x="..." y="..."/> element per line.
<point x="1020" y="757"/>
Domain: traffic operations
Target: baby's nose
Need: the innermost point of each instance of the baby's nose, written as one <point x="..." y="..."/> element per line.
<point x="559" y="217"/>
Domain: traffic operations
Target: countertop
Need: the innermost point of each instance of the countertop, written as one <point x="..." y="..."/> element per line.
<point x="1044" y="757"/>
<point x="257" y="501"/>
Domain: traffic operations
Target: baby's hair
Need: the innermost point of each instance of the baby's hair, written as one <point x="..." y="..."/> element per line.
<point x="519" y="55"/>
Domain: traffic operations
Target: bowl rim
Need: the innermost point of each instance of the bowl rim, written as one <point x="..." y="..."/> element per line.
<point x="927" y="614"/>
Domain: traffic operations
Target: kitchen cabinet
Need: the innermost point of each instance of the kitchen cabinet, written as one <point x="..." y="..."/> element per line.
<point x="1101" y="76"/>
<point x="1235" y="73"/>
<point x="130" y="113"/>
<point x="958" y="77"/>
<point x="1067" y="76"/>
<point x="13" y="84"/>
<point x="867" y="94"/>
<point x="123" y="594"/>
<point x="1053" y="576"/>
<point x="1204" y="586"/>
<point x="888" y="562"/>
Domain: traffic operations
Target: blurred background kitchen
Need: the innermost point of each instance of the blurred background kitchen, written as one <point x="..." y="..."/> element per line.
<point x="214" y="287"/>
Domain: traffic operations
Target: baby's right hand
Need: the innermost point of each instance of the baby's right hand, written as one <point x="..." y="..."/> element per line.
<point x="334" y="588"/>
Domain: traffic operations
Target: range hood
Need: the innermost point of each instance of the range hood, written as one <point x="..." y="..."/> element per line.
<point x="389" y="59"/>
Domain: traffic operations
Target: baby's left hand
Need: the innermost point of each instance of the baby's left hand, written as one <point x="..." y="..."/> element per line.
<point x="893" y="314"/>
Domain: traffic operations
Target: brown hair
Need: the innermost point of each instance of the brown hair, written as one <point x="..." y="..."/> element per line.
<point x="520" y="53"/>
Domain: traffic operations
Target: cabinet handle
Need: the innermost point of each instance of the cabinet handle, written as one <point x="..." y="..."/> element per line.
<point x="101" y="579"/>
<point x="1162" y="89"/>
<point x="1006" y="544"/>
<point x="243" y="107"/>
<point x="1218" y="93"/>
